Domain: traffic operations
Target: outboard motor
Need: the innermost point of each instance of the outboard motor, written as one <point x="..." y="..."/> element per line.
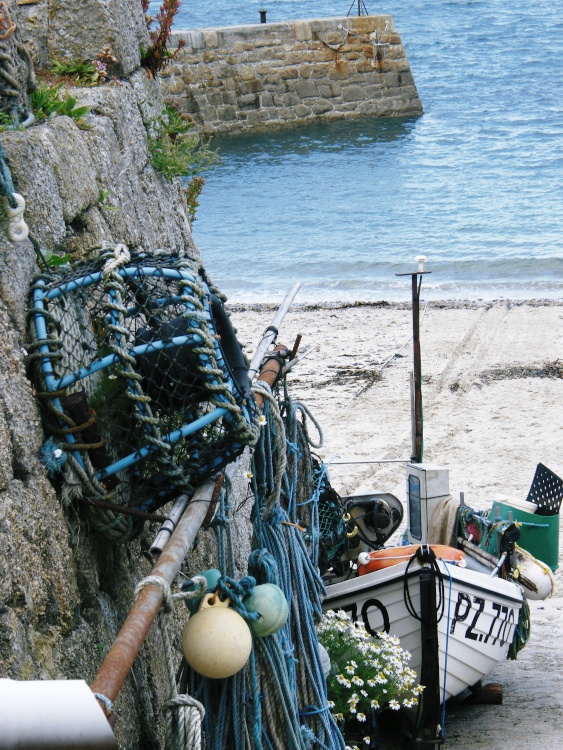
<point x="372" y="519"/>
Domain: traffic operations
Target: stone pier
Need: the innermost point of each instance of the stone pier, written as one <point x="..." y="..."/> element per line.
<point x="273" y="76"/>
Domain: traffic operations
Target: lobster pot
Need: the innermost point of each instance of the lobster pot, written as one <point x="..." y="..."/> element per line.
<point x="142" y="381"/>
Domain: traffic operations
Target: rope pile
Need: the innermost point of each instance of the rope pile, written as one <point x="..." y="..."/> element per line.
<point x="183" y="715"/>
<point x="279" y="700"/>
<point x="128" y="359"/>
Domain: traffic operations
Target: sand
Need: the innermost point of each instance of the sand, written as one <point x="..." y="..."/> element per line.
<point x="492" y="397"/>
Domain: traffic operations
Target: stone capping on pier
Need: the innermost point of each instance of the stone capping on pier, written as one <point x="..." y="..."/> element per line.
<point x="272" y="76"/>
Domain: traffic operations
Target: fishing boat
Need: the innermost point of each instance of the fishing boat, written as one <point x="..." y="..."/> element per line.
<point x="402" y="588"/>
<point x="456" y="608"/>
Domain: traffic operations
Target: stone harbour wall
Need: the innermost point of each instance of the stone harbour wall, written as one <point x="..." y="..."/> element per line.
<point x="65" y="590"/>
<point x="272" y="76"/>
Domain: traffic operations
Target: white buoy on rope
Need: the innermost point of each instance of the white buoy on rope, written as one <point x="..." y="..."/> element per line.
<point x="216" y="640"/>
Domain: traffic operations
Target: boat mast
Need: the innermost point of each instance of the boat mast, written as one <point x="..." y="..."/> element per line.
<point x="417" y="432"/>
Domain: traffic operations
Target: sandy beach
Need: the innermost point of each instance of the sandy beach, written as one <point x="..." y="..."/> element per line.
<point x="492" y="395"/>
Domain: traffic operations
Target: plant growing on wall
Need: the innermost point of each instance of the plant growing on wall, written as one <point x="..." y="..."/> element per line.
<point x="157" y="55"/>
<point x="48" y="101"/>
<point x="87" y="72"/>
<point x="192" y="192"/>
<point x="177" y="150"/>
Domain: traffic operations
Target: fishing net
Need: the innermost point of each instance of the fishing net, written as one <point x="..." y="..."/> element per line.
<point x="333" y="531"/>
<point x="143" y="384"/>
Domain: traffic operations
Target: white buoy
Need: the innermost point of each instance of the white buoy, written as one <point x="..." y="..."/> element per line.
<point x="216" y="641"/>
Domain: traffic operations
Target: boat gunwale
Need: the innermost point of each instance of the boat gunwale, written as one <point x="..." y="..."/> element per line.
<point x="390" y="574"/>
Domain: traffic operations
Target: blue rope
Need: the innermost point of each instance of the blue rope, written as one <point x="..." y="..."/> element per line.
<point x="6" y="183"/>
<point x="236" y="591"/>
<point x="297" y="573"/>
<point x="288" y="662"/>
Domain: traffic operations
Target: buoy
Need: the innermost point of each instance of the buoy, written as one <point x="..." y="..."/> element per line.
<point x="385" y="558"/>
<point x="533" y="575"/>
<point x="269" y="601"/>
<point x="216" y="640"/>
<point x="325" y="660"/>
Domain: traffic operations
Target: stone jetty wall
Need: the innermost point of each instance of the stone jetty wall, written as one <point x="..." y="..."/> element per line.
<point x="65" y="590"/>
<point x="270" y="76"/>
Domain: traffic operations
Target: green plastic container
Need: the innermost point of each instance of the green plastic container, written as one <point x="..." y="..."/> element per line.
<point x="540" y="539"/>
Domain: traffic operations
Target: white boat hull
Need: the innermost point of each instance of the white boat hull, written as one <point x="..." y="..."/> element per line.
<point x="476" y="629"/>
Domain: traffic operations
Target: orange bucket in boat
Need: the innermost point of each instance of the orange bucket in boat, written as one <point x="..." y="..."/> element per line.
<point x="385" y="558"/>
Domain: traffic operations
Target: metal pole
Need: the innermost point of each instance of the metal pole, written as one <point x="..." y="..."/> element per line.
<point x="417" y="453"/>
<point x="169" y="524"/>
<point x="418" y="442"/>
<point x="119" y="660"/>
<point x="269" y="374"/>
<point x="271" y="332"/>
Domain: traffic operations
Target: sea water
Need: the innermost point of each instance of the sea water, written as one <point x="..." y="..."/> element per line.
<point x="475" y="184"/>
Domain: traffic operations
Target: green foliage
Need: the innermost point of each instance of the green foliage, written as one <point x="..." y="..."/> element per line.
<point x="177" y="151"/>
<point x="365" y="672"/>
<point x="8" y="122"/>
<point x="84" y="72"/>
<point x="48" y="101"/>
<point x="88" y="72"/>
<point x="158" y="55"/>
<point x="103" y="199"/>
<point x="174" y="122"/>
<point x="45" y="100"/>
<point x="192" y="192"/>
<point x="69" y="108"/>
<point x="55" y="260"/>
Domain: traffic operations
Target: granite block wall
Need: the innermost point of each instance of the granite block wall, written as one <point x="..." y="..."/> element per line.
<point x="270" y="76"/>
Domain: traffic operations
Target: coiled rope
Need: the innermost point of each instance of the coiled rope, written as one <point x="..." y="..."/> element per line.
<point x="183" y="714"/>
<point x="282" y="557"/>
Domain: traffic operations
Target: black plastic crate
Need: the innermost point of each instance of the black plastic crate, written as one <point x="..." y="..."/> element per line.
<point x="546" y="491"/>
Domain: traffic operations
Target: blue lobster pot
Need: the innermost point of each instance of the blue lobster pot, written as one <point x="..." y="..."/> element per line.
<point x="143" y="382"/>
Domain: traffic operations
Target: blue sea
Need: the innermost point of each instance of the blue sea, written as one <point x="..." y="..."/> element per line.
<point x="475" y="184"/>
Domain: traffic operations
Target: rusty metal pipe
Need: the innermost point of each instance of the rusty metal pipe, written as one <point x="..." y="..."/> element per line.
<point x="129" y="640"/>
<point x="269" y="373"/>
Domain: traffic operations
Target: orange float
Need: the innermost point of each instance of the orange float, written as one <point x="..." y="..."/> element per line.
<point x="368" y="562"/>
